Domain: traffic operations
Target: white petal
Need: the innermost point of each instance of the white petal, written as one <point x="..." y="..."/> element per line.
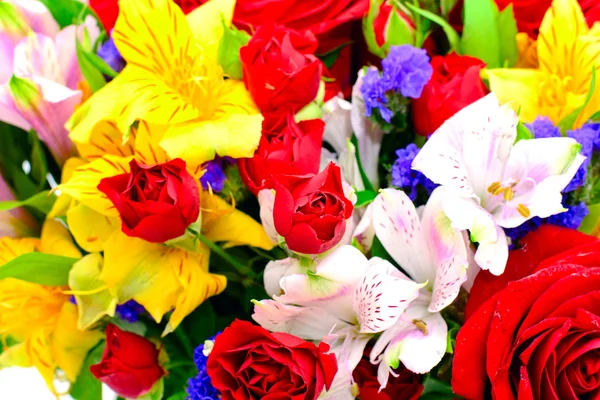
<point x="278" y="269"/>
<point x="266" y="200"/>
<point x="473" y="269"/>
<point x="365" y="231"/>
<point x="349" y="165"/>
<point x="380" y="298"/>
<point x="336" y="114"/>
<point x="467" y="214"/>
<point x="493" y="255"/>
<point x="368" y="135"/>
<point x="341" y="387"/>
<point x="310" y="323"/>
<point x="326" y="158"/>
<point x="398" y="227"/>
<point x="346" y="264"/>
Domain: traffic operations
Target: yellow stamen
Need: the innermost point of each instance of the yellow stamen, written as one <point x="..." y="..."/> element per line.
<point x="493" y="187"/>
<point x="498" y="191"/>
<point x="421" y="325"/>
<point x="523" y="210"/>
<point x="508" y="194"/>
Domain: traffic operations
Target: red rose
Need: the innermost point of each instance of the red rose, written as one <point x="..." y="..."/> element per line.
<point x="406" y="385"/>
<point x="310" y="211"/>
<point x="129" y="364"/>
<point x="455" y="84"/>
<point x="286" y="147"/>
<point x="279" y="69"/>
<point x="534" y="332"/>
<point x="249" y="362"/>
<point x="187" y="6"/>
<point x="156" y="203"/>
<point x="591" y="10"/>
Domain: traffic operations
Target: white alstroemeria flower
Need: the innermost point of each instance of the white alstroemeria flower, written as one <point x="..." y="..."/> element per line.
<point x="493" y="182"/>
<point x="345" y="300"/>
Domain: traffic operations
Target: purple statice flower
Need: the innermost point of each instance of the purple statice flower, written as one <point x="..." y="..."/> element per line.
<point x="406" y="69"/>
<point x="406" y="178"/>
<point x="542" y="127"/>
<point x="373" y="94"/>
<point x="200" y="386"/>
<point x="111" y="55"/>
<point x="585" y="137"/>
<point x="214" y="177"/>
<point x="72" y="300"/>
<point x="130" y="311"/>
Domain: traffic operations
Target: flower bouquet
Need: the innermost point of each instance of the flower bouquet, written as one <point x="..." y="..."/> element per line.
<point x="211" y="199"/>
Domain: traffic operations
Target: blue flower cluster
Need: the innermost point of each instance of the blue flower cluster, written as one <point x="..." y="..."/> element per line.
<point x="406" y="70"/>
<point x="111" y="55"/>
<point x="200" y="386"/>
<point x="406" y="178"/>
<point x="130" y="311"/>
<point x="214" y="177"/>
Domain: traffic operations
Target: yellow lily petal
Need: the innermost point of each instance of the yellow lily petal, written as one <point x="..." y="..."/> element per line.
<point x="38" y="347"/>
<point x="222" y="222"/>
<point x="90" y="228"/>
<point x="561" y="27"/>
<point x="527" y="51"/>
<point x="11" y="248"/>
<point x="518" y="87"/>
<point x="105" y="138"/>
<point x="143" y="271"/>
<point x="63" y="202"/>
<point x="198" y="285"/>
<point x="83" y="185"/>
<point x="15" y="356"/>
<point x="147" y="147"/>
<point x="56" y="239"/>
<point x="207" y="23"/>
<point x="85" y="277"/>
<point x="70" y="346"/>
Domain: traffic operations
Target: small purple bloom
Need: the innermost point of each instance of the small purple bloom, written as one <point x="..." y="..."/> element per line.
<point x="213" y="177"/>
<point x="373" y="95"/>
<point x="406" y="178"/>
<point x="200" y="386"/>
<point x="406" y="69"/>
<point x="542" y="127"/>
<point x="130" y="311"/>
<point x="111" y="55"/>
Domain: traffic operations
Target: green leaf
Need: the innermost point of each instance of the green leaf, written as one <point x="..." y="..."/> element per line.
<point x="398" y="32"/>
<point x="480" y="33"/>
<point x="229" y="51"/>
<point x="595" y="117"/>
<point x="567" y="122"/>
<point x="435" y="389"/>
<point x="39" y="164"/>
<point x="139" y="328"/>
<point x="87" y="387"/>
<point x="523" y="133"/>
<point x="364" y="197"/>
<point x="68" y="12"/>
<point x="156" y="393"/>
<point x="363" y="175"/>
<point x="507" y="37"/>
<point x="91" y="73"/>
<point x="368" y="23"/>
<point x="330" y="58"/>
<point x="178" y="396"/>
<point x="453" y="37"/>
<point x="446" y="6"/>
<point x="40" y="268"/>
<point x="590" y="222"/>
<point x="42" y="201"/>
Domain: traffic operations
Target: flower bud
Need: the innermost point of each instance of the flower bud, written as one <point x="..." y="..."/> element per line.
<point x="387" y="25"/>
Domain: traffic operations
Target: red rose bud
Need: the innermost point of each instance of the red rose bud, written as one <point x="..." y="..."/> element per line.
<point x="391" y="26"/>
<point x="455" y="84"/>
<point x="310" y="211"/>
<point x="129" y="364"/>
<point x="286" y="147"/>
<point x="249" y="362"/>
<point x="156" y="203"/>
<point x="279" y="68"/>
<point x="534" y="331"/>
<point x="403" y="384"/>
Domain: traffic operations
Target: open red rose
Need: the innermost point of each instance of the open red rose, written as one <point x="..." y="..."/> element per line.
<point x="455" y="84"/>
<point x="248" y="362"/>
<point x="310" y="211"/>
<point x="286" y="147"/>
<point x="405" y="385"/>
<point x="534" y="333"/>
<point x="280" y="70"/>
<point x="156" y="203"/>
<point x="129" y="364"/>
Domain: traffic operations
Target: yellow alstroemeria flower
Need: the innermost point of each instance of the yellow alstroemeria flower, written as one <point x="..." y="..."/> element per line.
<point x="159" y="277"/>
<point x="568" y="52"/>
<point x="39" y="317"/>
<point x="173" y="79"/>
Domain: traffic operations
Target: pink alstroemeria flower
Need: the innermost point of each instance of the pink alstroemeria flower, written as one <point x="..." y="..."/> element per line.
<point x="16" y="222"/>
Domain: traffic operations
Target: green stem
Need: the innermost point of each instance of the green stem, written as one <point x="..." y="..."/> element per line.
<point x="178" y="364"/>
<point x="244" y="270"/>
<point x="184" y="340"/>
<point x="262" y="253"/>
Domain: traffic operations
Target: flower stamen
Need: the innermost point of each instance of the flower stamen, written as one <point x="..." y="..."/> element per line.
<point x="421" y="325"/>
<point x="523" y="210"/>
